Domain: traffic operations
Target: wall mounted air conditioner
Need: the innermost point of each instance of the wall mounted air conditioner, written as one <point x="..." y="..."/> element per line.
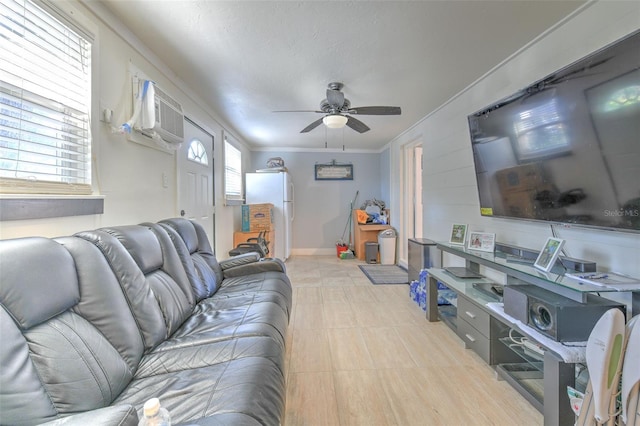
<point x="166" y="118"/>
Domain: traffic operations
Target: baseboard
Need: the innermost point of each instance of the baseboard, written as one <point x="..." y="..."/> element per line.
<point x="313" y="252"/>
<point x="330" y="252"/>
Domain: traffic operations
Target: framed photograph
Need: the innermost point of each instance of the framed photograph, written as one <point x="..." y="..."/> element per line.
<point x="458" y="234"/>
<point x="482" y="241"/>
<point x="550" y="252"/>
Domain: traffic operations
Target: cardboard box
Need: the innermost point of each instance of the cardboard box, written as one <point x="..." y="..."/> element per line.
<point x="521" y="178"/>
<point x="257" y="217"/>
<point x="519" y="204"/>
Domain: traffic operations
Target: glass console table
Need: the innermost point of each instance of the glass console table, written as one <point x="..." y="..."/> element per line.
<point x="522" y="271"/>
<point x="542" y="383"/>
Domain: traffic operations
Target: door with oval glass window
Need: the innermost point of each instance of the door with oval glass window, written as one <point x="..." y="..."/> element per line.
<point x="195" y="178"/>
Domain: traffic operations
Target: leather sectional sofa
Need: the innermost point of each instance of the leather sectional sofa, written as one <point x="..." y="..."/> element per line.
<point x="95" y="324"/>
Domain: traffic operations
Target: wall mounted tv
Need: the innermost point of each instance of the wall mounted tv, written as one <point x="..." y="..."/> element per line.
<point x="566" y="149"/>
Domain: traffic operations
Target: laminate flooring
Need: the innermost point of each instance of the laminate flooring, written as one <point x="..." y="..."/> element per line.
<point x="364" y="354"/>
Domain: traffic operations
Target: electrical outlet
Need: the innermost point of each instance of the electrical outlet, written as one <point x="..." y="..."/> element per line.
<point x="165" y="180"/>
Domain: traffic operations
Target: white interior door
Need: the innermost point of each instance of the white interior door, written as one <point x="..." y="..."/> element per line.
<point x="195" y="178"/>
<point x="417" y="192"/>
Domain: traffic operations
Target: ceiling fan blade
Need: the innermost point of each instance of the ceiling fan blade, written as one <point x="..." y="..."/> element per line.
<point x="312" y="126"/>
<point x="376" y="110"/>
<point x="357" y="125"/>
<point x="302" y="110"/>
<point x="335" y="98"/>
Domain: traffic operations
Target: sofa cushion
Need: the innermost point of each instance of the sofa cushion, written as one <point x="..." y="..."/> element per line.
<point x="78" y="366"/>
<point x="138" y="294"/>
<point x="201" y="355"/>
<point x="154" y="253"/>
<point x="215" y="322"/>
<point x="186" y="230"/>
<point x="121" y="415"/>
<point x="158" y="290"/>
<point x="58" y="361"/>
<point x="201" y="250"/>
<point x="34" y="262"/>
<point x="103" y="302"/>
<point x="203" y="279"/>
<point x="253" y="387"/>
<point x="249" y="276"/>
<point x="270" y="286"/>
<point x="19" y="380"/>
<point x="141" y="245"/>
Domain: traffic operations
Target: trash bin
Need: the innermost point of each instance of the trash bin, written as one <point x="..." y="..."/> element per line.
<point x="371" y="252"/>
<point x="387" y="245"/>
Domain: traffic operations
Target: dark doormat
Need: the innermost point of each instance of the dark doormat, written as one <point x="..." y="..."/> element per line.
<point x="385" y="274"/>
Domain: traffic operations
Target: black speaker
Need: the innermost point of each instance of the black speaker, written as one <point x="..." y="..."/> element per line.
<point x="555" y="316"/>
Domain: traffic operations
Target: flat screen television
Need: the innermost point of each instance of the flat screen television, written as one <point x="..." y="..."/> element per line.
<point x="566" y="149"/>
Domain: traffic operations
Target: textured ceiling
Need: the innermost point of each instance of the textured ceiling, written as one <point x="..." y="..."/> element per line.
<point x="247" y="59"/>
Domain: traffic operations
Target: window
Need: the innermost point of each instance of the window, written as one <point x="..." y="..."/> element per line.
<point x="627" y="96"/>
<point x="197" y="153"/>
<point x="45" y="87"/>
<point x="540" y="132"/>
<point x="232" y="174"/>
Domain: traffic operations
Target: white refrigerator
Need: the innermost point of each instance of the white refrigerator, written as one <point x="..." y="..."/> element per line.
<point x="275" y="188"/>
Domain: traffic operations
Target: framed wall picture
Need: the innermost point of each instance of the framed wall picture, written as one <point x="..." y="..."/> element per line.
<point x="482" y="241"/>
<point x="458" y="234"/>
<point x="334" y="171"/>
<point x="550" y="252"/>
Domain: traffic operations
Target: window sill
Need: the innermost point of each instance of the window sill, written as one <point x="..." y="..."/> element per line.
<point x="233" y="202"/>
<point x="23" y="207"/>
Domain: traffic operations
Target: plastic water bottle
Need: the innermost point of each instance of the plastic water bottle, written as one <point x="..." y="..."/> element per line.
<point x="154" y="414"/>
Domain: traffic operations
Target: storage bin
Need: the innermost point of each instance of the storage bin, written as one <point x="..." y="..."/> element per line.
<point x="387" y="244"/>
<point x="257" y="217"/>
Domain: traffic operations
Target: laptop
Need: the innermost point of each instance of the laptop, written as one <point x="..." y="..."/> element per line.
<point x="462" y="272"/>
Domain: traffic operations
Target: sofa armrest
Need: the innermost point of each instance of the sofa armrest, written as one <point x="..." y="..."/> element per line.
<point x="241" y="259"/>
<point x="117" y="415"/>
<point x="264" y="265"/>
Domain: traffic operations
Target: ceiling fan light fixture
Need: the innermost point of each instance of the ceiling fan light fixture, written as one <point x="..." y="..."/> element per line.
<point x="335" y="121"/>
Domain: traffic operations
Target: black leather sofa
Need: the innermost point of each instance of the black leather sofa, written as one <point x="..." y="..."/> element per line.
<point x="95" y="324"/>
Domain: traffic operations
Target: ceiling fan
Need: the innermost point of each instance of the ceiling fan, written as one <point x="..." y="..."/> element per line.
<point x="336" y="109"/>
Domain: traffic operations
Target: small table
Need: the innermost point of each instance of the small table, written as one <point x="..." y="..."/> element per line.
<point x="364" y="233"/>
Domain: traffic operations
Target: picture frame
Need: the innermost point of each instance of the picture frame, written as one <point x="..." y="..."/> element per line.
<point x="333" y="171"/>
<point x="482" y="241"/>
<point x="458" y="234"/>
<point x="549" y="253"/>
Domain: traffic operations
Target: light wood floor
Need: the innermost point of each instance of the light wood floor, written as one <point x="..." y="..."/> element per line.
<point x="364" y="354"/>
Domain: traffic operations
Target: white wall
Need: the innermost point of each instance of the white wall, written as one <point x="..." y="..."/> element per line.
<point x="322" y="207"/>
<point x="128" y="174"/>
<point x="449" y="186"/>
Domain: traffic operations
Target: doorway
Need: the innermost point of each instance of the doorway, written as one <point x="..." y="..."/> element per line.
<point x="412" y="182"/>
<point x="195" y="178"/>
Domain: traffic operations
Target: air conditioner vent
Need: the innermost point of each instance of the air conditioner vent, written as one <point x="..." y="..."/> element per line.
<point x="168" y="99"/>
<point x="169" y="118"/>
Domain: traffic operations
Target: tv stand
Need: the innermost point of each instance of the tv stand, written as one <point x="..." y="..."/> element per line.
<point x="542" y="381"/>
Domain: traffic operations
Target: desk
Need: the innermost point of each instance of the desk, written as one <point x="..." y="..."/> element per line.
<point x="364" y="233"/>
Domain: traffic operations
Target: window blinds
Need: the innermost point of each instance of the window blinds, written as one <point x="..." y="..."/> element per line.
<point x="232" y="172"/>
<point x="45" y="143"/>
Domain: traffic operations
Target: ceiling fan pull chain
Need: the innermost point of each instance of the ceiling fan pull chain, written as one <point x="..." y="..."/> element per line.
<point x="325" y="137"/>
